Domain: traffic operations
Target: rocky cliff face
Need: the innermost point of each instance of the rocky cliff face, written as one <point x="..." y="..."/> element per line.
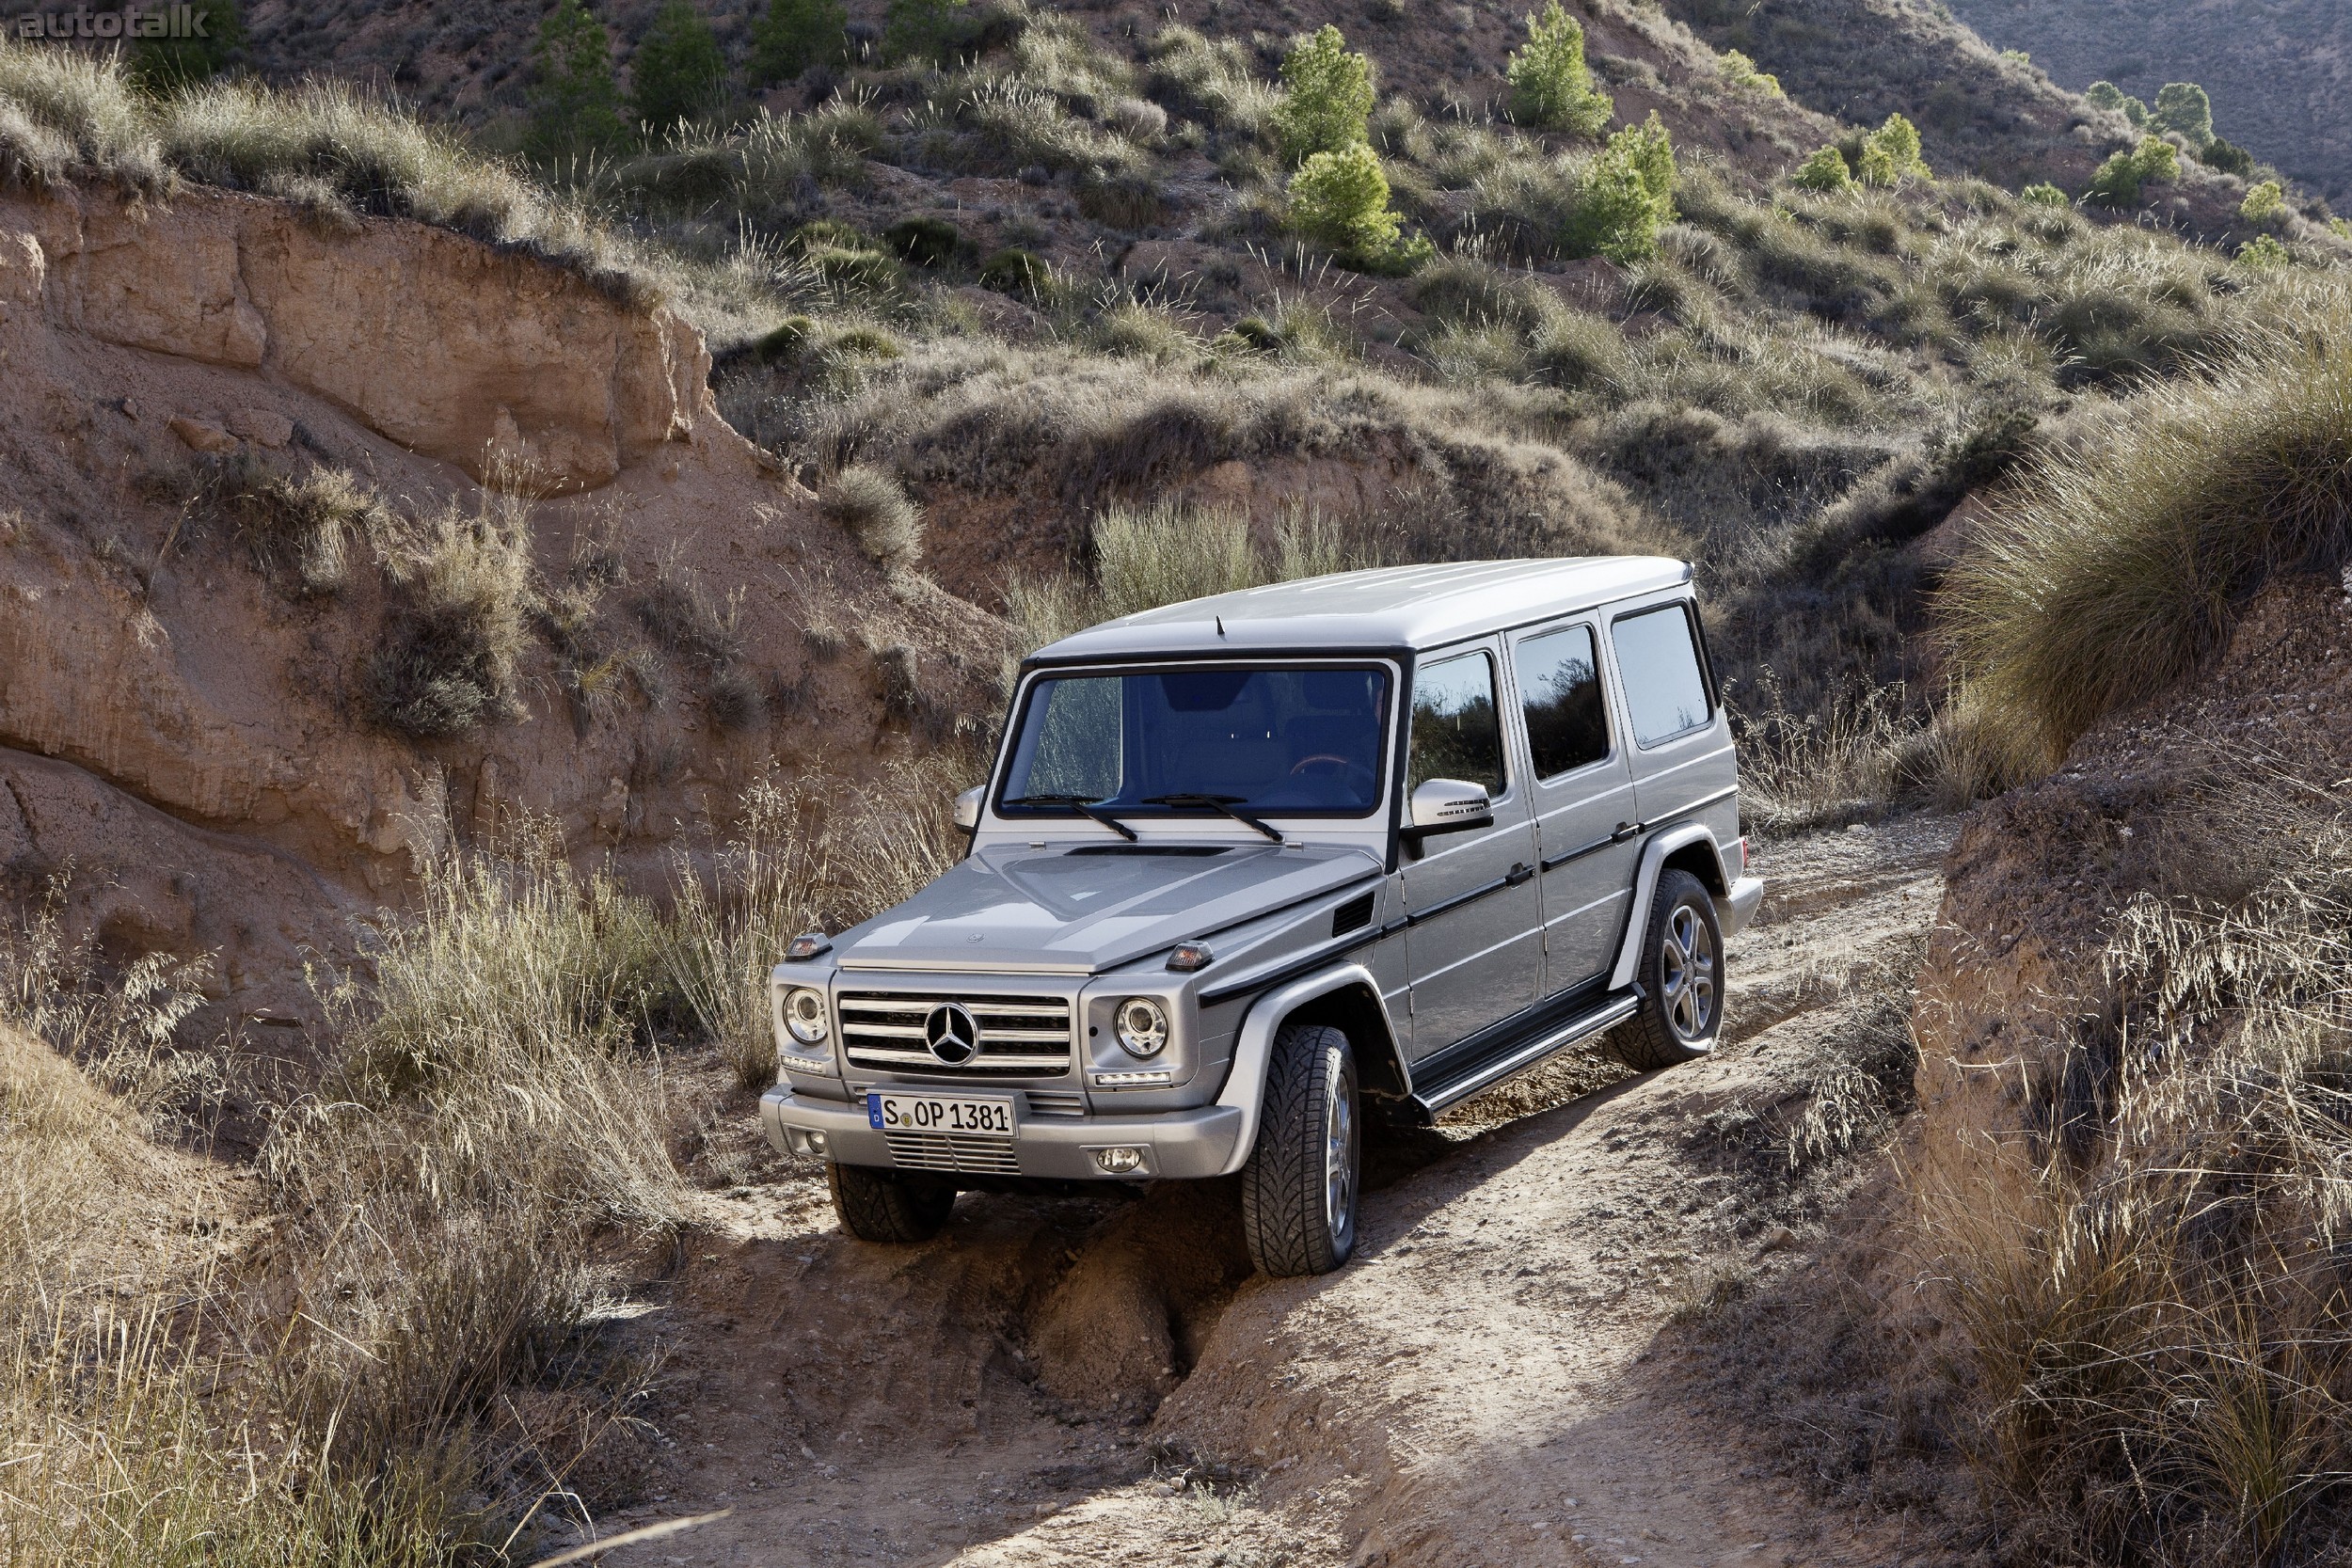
<point x="186" y="736"/>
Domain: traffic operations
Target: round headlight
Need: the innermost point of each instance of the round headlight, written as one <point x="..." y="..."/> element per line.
<point x="804" y="1014"/>
<point x="1142" y="1027"/>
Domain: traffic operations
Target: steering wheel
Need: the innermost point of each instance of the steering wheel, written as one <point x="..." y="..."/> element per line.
<point x="1304" y="763"/>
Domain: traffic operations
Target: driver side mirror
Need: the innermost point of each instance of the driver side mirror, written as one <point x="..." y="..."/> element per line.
<point x="1447" y="806"/>
<point x="968" y="807"/>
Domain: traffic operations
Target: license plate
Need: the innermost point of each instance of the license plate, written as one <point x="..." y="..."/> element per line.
<point x="891" y="1112"/>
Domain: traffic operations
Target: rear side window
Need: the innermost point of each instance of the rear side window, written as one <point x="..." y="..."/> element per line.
<point x="1456" y="730"/>
<point x="1568" y="726"/>
<point x="1658" y="655"/>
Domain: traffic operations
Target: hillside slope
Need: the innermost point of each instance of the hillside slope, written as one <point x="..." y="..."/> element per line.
<point x="2278" y="74"/>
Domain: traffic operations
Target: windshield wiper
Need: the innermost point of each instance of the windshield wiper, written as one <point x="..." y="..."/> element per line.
<point x="1083" y="806"/>
<point x="1219" y="802"/>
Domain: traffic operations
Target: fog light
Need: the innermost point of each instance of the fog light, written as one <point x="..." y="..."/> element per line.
<point x="1118" y="1162"/>
<point x="818" y="1143"/>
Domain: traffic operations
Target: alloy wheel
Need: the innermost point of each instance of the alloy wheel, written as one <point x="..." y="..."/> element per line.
<point x="1688" y="957"/>
<point x="1338" y="1154"/>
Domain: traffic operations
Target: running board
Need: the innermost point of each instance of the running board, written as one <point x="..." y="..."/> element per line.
<point x="1503" y="1060"/>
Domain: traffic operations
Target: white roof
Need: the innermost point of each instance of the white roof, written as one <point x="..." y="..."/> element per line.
<point x="1389" y="606"/>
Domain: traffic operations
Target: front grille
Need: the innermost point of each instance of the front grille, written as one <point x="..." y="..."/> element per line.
<point x="946" y="1151"/>
<point x="1065" y="1103"/>
<point x="1020" y="1036"/>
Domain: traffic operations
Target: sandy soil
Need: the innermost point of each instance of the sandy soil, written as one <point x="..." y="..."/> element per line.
<point x="1102" y="1381"/>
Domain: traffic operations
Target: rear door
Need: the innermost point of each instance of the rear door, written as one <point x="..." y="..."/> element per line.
<point x="1474" y="944"/>
<point x="1680" y="749"/>
<point x="1581" y="792"/>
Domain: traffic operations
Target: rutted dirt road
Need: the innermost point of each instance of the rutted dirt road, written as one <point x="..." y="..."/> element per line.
<point x="1102" y="1381"/>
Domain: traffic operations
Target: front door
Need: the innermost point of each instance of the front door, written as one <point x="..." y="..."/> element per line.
<point x="1582" y="793"/>
<point x="1474" y="946"/>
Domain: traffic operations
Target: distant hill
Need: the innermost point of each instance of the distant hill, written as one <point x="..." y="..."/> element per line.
<point x="2279" y="72"/>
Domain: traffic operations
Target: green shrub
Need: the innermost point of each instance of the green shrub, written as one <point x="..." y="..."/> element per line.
<point x="575" y="108"/>
<point x="1016" y="272"/>
<point x="923" y="30"/>
<point x="1625" y="196"/>
<point x="926" y="241"/>
<point x="2118" y="181"/>
<point x="1551" y="86"/>
<point x="2044" y="194"/>
<point x="677" y="76"/>
<point x="785" y="342"/>
<point x="2106" y="95"/>
<point x="2263" y="253"/>
<point x="2228" y="157"/>
<point x="170" y="65"/>
<point x="2266" y="203"/>
<point x="1326" y="98"/>
<point x="1341" y="199"/>
<point x="1890" y="154"/>
<point x="2183" y="108"/>
<point x="2113" y="570"/>
<point x="1826" y="171"/>
<point x="794" y="35"/>
<point x="1740" y="72"/>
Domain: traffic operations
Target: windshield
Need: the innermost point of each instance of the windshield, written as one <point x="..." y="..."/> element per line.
<point x="1299" y="741"/>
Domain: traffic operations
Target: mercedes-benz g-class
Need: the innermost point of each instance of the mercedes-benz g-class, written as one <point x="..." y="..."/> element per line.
<point x="1250" y="869"/>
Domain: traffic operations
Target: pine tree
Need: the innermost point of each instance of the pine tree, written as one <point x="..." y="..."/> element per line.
<point x="1551" y="86"/>
<point x="1826" y="171"/>
<point x="2184" y="109"/>
<point x="678" y="72"/>
<point x="1890" y="154"/>
<point x="1627" y="195"/>
<point x="573" y="105"/>
<point x="1326" y="101"/>
<point x="795" y="34"/>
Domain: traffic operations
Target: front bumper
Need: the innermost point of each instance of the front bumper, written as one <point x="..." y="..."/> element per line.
<point x="1175" y="1144"/>
<point x="1739" y="906"/>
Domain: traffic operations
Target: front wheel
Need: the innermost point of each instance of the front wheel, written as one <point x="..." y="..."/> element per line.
<point x="1300" y="1189"/>
<point x="899" y="1207"/>
<point x="1681" y="978"/>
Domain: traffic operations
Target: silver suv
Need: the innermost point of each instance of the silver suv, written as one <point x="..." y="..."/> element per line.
<point x="1252" y="867"/>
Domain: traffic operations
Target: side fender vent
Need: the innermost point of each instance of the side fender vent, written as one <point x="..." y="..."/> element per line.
<point x="1354" y="916"/>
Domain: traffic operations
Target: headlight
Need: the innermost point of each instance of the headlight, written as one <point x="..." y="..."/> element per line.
<point x="804" y="1015"/>
<point x="1142" y="1027"/>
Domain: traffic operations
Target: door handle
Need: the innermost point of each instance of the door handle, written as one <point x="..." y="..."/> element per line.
<point x="1625" y="830"/>
<point x="1520" y="871"/>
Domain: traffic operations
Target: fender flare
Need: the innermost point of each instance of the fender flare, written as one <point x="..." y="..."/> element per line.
<point x="1245" y="1084"/>
<point x="1654" y="855"/>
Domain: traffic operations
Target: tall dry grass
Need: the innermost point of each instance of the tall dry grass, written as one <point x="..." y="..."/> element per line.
<point x="2153" y="1282"/>
<point x="2115" y="567"/>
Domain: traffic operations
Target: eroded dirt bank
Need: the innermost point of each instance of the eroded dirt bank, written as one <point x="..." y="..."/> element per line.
<point x="1102" y="1381"/>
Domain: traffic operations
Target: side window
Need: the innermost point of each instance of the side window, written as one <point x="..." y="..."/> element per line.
<point x="1568" y="725"/>
<point x="1456" y="733"/>
<point x="1658" y="656"/>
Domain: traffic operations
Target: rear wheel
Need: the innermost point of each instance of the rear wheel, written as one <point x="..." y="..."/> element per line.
<point x="1681" y="977"/>
<point x="891" y="1206"/>
<point x="1298" y="1191"/>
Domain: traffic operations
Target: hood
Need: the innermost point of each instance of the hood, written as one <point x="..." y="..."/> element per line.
<point x="1089" y="908"/>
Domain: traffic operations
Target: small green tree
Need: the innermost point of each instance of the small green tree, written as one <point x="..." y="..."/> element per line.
<point x="2184" y="109"/>
<point x="2266" y="204"/>
<point x="2118" y="181"/>
<point x="2262" y="253"/>
<point x="923" y="30"/>
<point x="1625" y="196"/>
<point x="1341" y="199"/>
<point x="2228" y="157"/>
<point x="1740" y="72"/>
<point x="2044" y="194"/>
<point x="573" y="105"/>
<point x="1551" y="87"/>
<point x="678" y="72"/>
<point x="795" y="34"/>
<point x="1327" y="97"/>
<point x="1890" y="154"/>
<point x="216" y="32"/>
<point x="1825" y="170"/>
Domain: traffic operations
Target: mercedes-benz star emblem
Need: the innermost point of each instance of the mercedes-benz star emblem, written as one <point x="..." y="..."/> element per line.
<point x="952" y="1033"/>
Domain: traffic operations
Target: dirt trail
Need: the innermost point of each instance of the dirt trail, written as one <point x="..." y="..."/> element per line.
<point x="1101" y="1381"/>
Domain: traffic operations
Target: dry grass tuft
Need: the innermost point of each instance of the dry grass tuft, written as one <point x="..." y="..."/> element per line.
<point x="871" y="506"/>
<point x="464" y="596"/>
<point x="304" y="526"/>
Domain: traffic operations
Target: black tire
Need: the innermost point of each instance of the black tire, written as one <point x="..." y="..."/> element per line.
<point x="891" y="1206"/>
<point x="1297" y="1210"/>
<point x="1681" y="977"/>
